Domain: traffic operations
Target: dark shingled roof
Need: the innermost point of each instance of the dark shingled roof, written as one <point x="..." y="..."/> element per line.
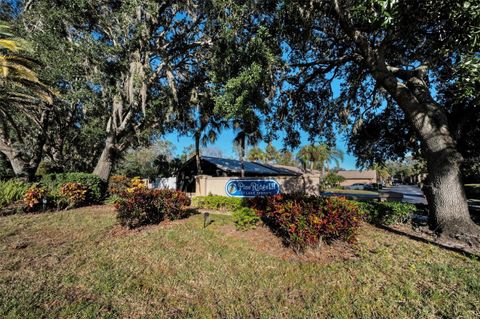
<point x="251" y="168"/>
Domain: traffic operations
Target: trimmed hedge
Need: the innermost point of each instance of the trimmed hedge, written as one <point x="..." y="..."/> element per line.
<point x="143" y="206"/>
<point x="217" y="202"/>
<point x="387" y="213"/>
<point x="307" y="220"/>
<point x="95" y="186"/>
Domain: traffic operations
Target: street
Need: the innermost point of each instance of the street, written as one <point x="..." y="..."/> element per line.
<point x="411" y="193"/>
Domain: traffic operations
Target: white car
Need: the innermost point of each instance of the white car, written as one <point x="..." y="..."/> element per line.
<point x="357" y="186"/>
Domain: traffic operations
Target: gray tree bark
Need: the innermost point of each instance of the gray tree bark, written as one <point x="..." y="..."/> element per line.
<point x="106" y="161"/>
<point x="19" y="166"/>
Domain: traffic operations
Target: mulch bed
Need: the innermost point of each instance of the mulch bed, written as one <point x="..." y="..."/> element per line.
<point x="263" y="240"/>
<point x="12" y="209"/>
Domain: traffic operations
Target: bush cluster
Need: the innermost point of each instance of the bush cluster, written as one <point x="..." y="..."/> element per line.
<point x="11" y="191"/>
<point x="245" y="218"/>
<point x="146" y="206"/>
<point x="387" y="213"/>
<point x="54" y="191"/>
<point x="118" y="184"/>
<point x="93" y="184"/>
<point x="306" y="220"/>
<point x="217" y="202"/>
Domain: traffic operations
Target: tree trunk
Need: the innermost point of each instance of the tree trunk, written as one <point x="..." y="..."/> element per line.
<point x="242" y="155"/>
<point x="322" y="178"/>
<point x="449" y="212"/>
<point x="20" y="167"/>
<point x="197" y="153"/>
<point x="106" y="161"/>
<point x="445" y="192"/>
<point x="26" y="168"/>
<point x="411" y="91"/>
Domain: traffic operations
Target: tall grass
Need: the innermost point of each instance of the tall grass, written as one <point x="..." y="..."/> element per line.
<point x="11" y="191"/>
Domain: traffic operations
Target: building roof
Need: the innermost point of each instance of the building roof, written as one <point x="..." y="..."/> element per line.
<point x="251" y="168"/>
<point x="298" y="170"/>
<point x="354" y="174"/>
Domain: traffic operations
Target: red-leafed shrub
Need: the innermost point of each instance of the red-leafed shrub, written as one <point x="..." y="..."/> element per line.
<point x="306" y="220"/>
<point x="143" y="206"/>
<point x="175" y="202"/>
<point x="35" y="198"/>
<point x="74" y="193"/>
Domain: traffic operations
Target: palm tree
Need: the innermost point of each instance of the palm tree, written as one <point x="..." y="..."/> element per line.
<point x="256" y="154"/>
<point x="209" y="125"/>
<point x="271" y="153"/>
<point x="308" y="155"/>
<point x="20" y="91"/>
<point x="248" y="128"/>
<point x="328" y="155"/>
<point x="16" y="74"/>
<point x="319" y="157"/>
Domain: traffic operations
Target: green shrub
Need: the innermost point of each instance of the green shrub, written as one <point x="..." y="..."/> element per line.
<point x="217" y="202"/>
<point x="245" y="218"/>
<point x="386" y="213"/>
<point x="11" y="191"/>
<point x="306" y="220"/>
<point x="146" y="206"/>
<point x="112" y="199"/>
<point x="95" y="187"/>
<point x="333" y="180"/>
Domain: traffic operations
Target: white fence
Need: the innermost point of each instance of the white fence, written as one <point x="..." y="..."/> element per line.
<point x="163" y="183"/>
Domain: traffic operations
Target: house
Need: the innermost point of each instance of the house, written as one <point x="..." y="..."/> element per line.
<point x="355" y="176"/>
<point x="224" y="168"/>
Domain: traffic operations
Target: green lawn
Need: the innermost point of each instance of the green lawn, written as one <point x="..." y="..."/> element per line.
<point x="80" y="264"/>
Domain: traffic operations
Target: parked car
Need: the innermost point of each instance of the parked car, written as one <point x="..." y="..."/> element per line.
<point x="357" y="186"/>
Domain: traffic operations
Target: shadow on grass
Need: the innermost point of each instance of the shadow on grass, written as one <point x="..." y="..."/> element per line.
<point x="460" y="250"/>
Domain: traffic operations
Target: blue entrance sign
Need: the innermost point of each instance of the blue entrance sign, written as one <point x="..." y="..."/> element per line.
<point x="252" y="187"/>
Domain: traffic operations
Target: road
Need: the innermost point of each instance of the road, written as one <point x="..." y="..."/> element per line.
<point x="411" y="193"/>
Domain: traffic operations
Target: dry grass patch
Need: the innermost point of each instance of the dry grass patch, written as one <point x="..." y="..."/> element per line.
<point x="263" y="240"/>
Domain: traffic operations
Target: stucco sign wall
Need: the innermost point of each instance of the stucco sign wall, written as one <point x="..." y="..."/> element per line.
<point x="251" y="187"/>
